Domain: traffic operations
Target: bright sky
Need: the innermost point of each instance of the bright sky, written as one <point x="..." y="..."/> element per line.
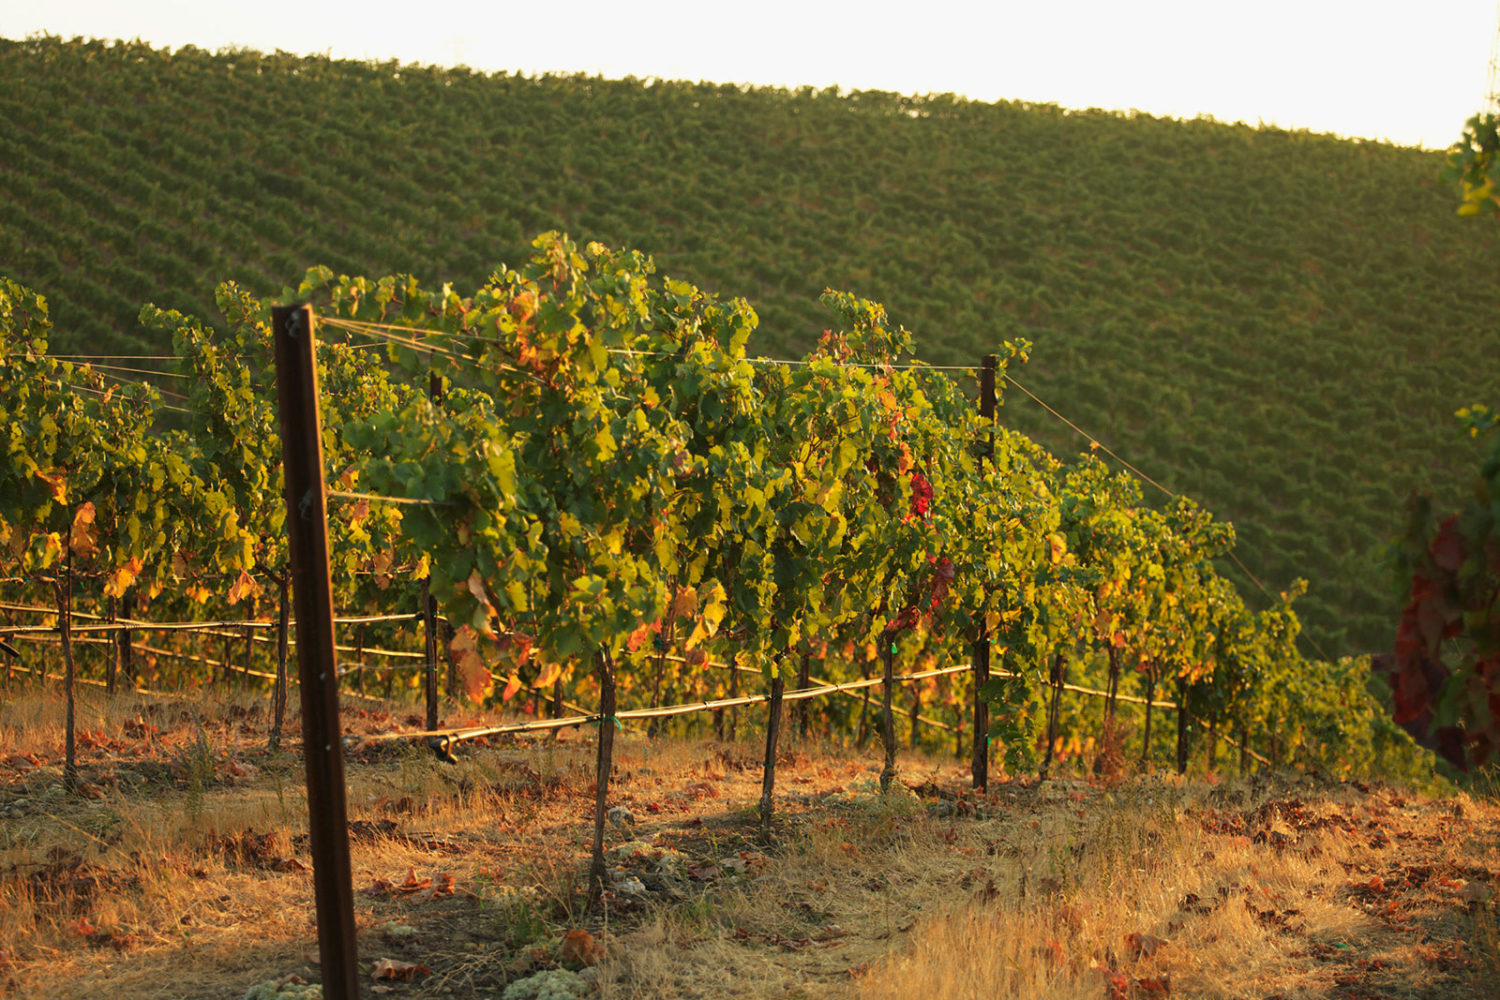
<point x="1411" y="72"/>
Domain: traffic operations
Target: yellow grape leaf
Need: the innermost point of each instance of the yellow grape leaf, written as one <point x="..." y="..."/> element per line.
<point x="244" y="587"/>
<point x="82" y="539"/>
<point x="549" y="675"/>
<point x="473" y="675"/>
<point x="120" y="580"/>
<point x="515" y="590"/>
<point x="903" y="463"/>
<point x="1057" y="546"/>
<point x="422" y="569"/>
<point x="685" y="605"/>
<point x="712" y="613"/>
<point x="56" y="482"/>
<point x="829" y="493"/>
<point x="198" y="593"/>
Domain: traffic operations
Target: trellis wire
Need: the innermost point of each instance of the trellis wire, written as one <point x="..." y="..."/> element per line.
<point x="1095" y="442"/>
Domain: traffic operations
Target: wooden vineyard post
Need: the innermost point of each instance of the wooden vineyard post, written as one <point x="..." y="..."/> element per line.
<point x="1150" y="703"/>
<point x="112" y="663"/>
<point x="659" y="643"/>
<point x="607" y="723"/>
<point x="65" y="628"/>
<point x="1054" y="708"/>
<point x="734" y="692"/>
<point x="913" y="715"/>
<point x="981" y="759"/>
<point x="127" y="656"/>
<point x="317" y="668"/>
<point x="359" y="658"/>
<point x="979" y="765"/>
<point x="862" y="733"/>
<point x="429" y="652"/>
<point x="719" y="712"/>
<point x="1105" y="753"/>
<point x="768" y="773"/>
<point x="249" y="631"/>
<point x="804" y="674"/>
<point x="429" y="604"/>
<point x="887" y="719"/>
<point x="278" y="694"/>
<point x="1113" y="688"/>
<point x="1182" y="725"/>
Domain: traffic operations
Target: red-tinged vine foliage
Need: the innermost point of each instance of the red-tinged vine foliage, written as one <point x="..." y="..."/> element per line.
<point x="1445" y="671"/>
<point x="921" y="495"/>
<point x="926" y="601"/>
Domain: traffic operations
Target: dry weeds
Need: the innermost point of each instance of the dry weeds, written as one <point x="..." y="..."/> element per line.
<point x="183" y="872"/>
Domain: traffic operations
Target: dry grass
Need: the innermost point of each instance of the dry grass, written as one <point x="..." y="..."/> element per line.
<point x="182" y="872"/>
<point x="1273" y="911"/>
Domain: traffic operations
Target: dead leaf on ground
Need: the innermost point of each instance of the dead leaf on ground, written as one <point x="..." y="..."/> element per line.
<point x="1154" y="986"/>
<point x="1116" y="985"/>
<point x="1143" y="945"/>
<point x="397" y="971"/>
<point x="1475" y="892"/>
<point x="410" y="887"/>
<point x="579" y="946"/>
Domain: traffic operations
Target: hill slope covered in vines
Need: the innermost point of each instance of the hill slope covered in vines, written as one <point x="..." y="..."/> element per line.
<point x="1278" y="324"/>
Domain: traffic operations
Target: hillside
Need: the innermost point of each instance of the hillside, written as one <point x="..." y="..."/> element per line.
<point x="1278" y="324"/>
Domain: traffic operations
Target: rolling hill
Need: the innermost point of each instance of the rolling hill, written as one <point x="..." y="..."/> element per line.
<point x="1276" y="323"/>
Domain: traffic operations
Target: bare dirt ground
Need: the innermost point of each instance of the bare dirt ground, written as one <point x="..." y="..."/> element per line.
<point x="181" y="871"/>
